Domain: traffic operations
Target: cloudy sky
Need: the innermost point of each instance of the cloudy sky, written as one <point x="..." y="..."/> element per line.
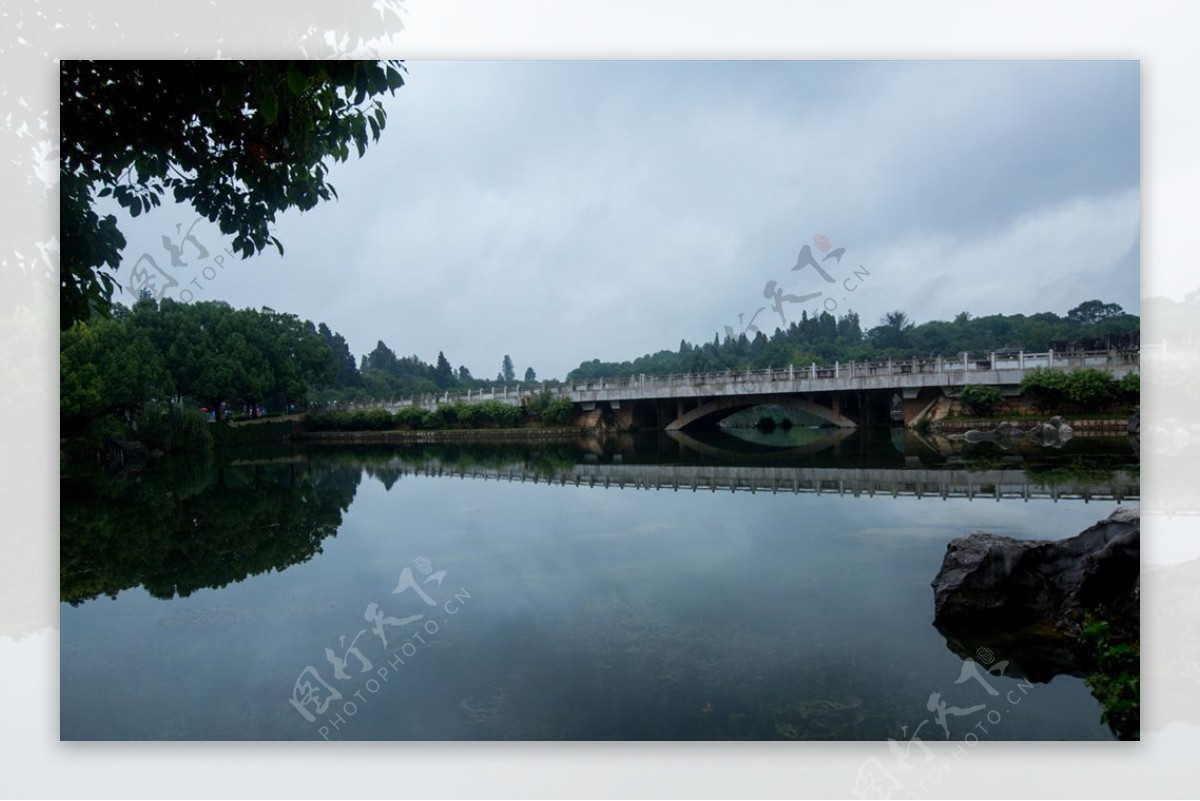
<point x="564" y="211"/>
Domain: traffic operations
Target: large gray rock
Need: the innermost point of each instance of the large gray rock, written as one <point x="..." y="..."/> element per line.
<point x="1052" y="433"/>
<point x="1025" y="599"/>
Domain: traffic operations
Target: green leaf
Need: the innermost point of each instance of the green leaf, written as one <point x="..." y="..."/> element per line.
<point x="394" y="79"/>
<point x="379" y="81"/>
<point x="278" y="245"/>
<point x="296" y="80"/>
<point x="269" y="105"/>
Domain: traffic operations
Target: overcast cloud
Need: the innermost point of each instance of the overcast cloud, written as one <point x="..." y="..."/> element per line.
<point x="563" y="211"/>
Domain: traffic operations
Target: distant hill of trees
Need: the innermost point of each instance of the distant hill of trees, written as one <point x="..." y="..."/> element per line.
<point x="824" y="338"/>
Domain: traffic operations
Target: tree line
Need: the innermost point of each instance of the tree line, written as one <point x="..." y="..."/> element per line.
<point x="382" y="375"/>
<point x="159" y="356"/>
<point x="824" y="338"/>
<point x="161" y="367"/>
<point x="162" y="360"/>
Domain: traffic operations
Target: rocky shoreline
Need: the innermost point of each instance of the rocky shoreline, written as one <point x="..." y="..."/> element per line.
<point x="1047" y="608"/>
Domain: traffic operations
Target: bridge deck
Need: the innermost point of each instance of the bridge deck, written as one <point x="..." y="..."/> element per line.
<point x="995" y="369"/>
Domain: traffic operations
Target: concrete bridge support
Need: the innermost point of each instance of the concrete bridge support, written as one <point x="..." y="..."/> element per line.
<point x="710" y="411"/>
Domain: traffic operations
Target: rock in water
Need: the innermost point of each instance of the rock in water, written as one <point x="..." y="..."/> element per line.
<point x="1027" y="597"/>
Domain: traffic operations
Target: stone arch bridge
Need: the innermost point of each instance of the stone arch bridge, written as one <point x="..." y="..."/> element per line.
<point x="842" y="395"/>
<point x="845" y="395"/>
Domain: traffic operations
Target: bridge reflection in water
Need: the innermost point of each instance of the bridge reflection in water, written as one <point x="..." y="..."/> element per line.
<point x="833" y="462"/>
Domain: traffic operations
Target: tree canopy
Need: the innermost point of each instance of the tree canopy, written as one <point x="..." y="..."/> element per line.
<point x="208" y="352"/>
<point x="1093" y="311"/>
<point x="824" y="338"/>
<point x="239" y="141"/>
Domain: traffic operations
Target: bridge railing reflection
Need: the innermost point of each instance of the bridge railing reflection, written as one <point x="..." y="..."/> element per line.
<point x="1003" y="484"/>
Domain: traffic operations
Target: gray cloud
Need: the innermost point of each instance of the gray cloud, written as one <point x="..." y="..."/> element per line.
<point x="560" y="211"/>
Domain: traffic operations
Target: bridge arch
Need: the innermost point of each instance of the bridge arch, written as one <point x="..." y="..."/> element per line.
<point x="644" y="414"/>
<point x="717" y="409"/>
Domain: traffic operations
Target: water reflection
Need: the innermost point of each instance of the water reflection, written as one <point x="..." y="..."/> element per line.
<point x="594" y="614"/>
<point x="185" y="525"/>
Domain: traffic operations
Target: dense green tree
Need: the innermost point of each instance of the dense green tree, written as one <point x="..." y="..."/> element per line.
<point x="106" y="369"/>
<point x="507" y="373"/>
<point x="207" y="353"/>
<point x="239" y="141"/>
<point x="443" y="373"/>
<point x="347" y="374"/>
<point x="1093" y="311"/>
<point x="892" y="332"/>
<point x="530" y="375"/>
<point x="382" y="358"/>
<point x="849" y="329"/>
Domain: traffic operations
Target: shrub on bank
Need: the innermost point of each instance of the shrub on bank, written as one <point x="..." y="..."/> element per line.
<point x="1047" y="389"/>
<point x="412" y="418"/>
<point x="1090" y="389"/>
<point x="1085" y="390"/>
<point x="1129" y="388"/>
<point x="979" y="400"/>
<point x="488" y="414"/>
<point x="559" y="412"/>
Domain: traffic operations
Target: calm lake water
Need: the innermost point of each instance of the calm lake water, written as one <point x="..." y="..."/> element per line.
<point x="390" y="593"/>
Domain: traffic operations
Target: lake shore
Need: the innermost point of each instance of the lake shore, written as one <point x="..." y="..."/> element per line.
<point x="445" y="435"/>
